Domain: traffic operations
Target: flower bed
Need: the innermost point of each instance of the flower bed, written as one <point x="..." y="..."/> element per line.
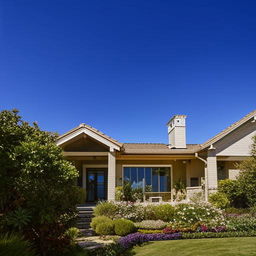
<point x="139" y="238"/>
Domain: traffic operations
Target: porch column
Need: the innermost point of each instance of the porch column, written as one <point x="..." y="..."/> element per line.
<point x="111" y="175"/>
<point x="212" y="170"/>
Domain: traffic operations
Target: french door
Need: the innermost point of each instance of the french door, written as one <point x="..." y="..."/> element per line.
<point x="96" y="184"/>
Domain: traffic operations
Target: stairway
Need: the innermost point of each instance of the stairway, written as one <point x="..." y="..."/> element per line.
<point x="85" y="215"/>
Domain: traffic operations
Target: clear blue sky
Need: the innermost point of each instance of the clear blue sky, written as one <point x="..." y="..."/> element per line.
<point x="125" y="67"/>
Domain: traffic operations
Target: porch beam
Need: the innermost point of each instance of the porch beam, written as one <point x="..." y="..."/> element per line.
<point x="85" y="153"/>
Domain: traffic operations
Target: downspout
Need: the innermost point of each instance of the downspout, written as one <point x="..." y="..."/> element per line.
<point x="205" y="176"/>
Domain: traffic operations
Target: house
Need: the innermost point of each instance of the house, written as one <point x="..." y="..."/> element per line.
<point x="104" y="163"/>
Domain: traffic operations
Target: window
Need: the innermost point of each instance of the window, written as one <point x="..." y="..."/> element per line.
<point x="158" y="178"/>
<point x="194" y="182"/>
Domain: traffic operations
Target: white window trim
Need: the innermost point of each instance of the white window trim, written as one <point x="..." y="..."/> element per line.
<point x="151" y="165"/>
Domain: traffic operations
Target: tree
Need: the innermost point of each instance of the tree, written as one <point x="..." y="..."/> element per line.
<point x="247" y="178"/>
<point x="38" y="194"/>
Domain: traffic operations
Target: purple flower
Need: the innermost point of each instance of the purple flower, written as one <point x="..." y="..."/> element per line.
<point x="139" y="238"/>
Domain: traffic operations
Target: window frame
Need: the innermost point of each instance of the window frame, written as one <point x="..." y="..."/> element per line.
<point x="150" y="166"/>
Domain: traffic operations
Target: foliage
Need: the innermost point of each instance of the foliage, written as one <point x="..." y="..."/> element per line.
<point x="124" y="227"/>
<point x="247" y="177"/>
<point x="150" y="231"/>
<point x="119" y="193"/>
<point x="98" y="220"/>
<point x="197" y="198"/>
<point x="72" y="233"/>
<point x="234" y="192"/>
<point x="37" y="185"/>
<point x="218" y="235"/>
<point x="139" y="238"/>
<point x="193" y="213"/>
<point x="18" y="218"/>
<point x="151" y="224"/>
<point x="127" y="191"/>
<point x="108" y="209"/>
<point x="180" y="190"/>
<point x="241" y="224"/>
<point x="238" y="211"/>
<point x="164" y="212"/>
<point x="105" y="228"/>
<point x="15" y="245"/>
<point x="219" y="200"/>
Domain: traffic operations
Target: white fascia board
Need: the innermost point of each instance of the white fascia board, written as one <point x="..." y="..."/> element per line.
<point x="89" y="133"/>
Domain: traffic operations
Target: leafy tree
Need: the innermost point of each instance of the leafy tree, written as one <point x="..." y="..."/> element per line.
<point x="37" y="185"/>
<point x="247" y="178"/>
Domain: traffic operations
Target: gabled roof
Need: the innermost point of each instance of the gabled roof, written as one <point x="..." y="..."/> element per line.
<point x="228" y="130"/>
<point x="94" y="133"/>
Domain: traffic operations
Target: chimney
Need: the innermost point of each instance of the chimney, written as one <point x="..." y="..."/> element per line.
<point x="177" y="131"/>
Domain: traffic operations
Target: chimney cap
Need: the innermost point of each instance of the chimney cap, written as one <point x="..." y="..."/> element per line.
<point x="175" y="117"/>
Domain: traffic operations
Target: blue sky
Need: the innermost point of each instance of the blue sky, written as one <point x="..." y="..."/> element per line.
<point x="125" y="67"/>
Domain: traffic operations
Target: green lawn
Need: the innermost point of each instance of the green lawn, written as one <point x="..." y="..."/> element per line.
<point x="244" y="246"/>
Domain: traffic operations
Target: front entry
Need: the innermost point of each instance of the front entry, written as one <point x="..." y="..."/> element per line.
<point x="96" y="184"/>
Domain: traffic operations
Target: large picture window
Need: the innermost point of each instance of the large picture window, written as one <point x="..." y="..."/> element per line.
<point x="157" y="178"/>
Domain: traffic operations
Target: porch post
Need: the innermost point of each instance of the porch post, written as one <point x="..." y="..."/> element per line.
<point x="212" y="170"/>
<point x="111" y="175"/>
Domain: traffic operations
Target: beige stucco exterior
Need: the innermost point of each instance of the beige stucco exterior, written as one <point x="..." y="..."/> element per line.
<point x="197" y="166"/>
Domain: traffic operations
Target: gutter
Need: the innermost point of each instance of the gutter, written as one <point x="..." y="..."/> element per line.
<point x="205" y="176"/>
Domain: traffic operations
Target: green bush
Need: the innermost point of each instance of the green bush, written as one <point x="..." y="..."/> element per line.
<point x="242" y="223"/>
<point x="123" y="227"/>
<point x="193" y="213"/>
<point x="106" y="228"/>
<point x="119" y="193"/>
<point x="72" y="233"/>
<point x="219" y="200"/>
<point x="107" y="209"/>
<point x="164" y="212"/>
<point x="233" y="210"/>
<point x="14" y="245"/>
<point x="218" y="235"/>
<point x="234" y="192"/>
<point x="151" y="224"/>
<point x="99" y="220"/>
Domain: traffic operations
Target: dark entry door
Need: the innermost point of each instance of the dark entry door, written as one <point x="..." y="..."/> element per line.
<point x="96" y="185"/>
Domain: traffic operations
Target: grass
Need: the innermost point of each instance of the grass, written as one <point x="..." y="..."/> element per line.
<point x="242" y="246"/>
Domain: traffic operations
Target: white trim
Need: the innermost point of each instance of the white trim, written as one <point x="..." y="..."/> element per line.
<point x="152" y="165"/>
<point x="90" y="133"/>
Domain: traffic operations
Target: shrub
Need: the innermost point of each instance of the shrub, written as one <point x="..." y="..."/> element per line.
<point x="139" y="238"/>
<point x="217" y="235"/>
<point x="203" y="212"/>
<point x="124" y="227"/>
<point x="234" y="192"/>
<point x="105" y="228"/>
<point x="99" y="220"/>
<point x="164" y="212"/>
<point x="14" y="245"/>
<point x="241" y="224"/>
<point x="72" y="233"/>
<point x="197" y="197"/>
<point x="108" y="209"/>
<point x="150" y="231"/>
<point x="219" y="200"/>
<point x="119" y="193"/>
<point x="151" y="224"/>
